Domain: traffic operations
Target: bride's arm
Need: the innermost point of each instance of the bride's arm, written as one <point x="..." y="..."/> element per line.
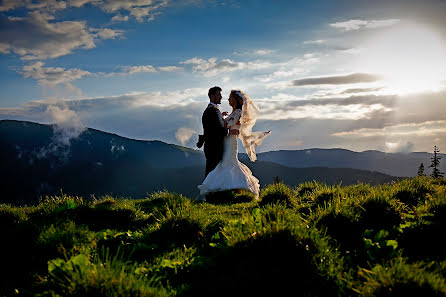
<point x="233" y="118"/>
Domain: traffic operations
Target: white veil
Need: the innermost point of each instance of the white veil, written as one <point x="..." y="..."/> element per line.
<point x="248" y="119"/>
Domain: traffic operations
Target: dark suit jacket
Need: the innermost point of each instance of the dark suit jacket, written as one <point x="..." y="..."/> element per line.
<point x="214" y="133"/>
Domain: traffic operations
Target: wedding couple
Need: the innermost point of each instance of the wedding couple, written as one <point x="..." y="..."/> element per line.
<point x="223" y="169"/>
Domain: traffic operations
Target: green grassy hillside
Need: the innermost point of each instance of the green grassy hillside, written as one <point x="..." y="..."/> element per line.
<point x="313" y="240"/>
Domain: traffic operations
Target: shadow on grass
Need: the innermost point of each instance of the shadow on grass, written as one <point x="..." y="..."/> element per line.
<point x="271" y="264"/>
<point x="230" y="197"/>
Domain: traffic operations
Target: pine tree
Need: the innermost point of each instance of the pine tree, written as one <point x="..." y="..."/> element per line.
<point x="435" y="164"/>
<point x="421" y="170"/>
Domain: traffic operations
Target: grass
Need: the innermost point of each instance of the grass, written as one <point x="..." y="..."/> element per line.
<point x="314" y="240"/>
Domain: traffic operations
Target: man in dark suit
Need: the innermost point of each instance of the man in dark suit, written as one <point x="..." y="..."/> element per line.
<point x="214" y="131"/>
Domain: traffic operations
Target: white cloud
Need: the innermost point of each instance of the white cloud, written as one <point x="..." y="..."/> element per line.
<point x="427" y="128"/>
<point x="148" y="68"/>
<point x="318" y="41"/>
<point x="170" y="68"/>
<point x="68" y="123"/>
<point x="52" y="75"/>
<point x="120" y="18"/>
<point x="138" y="69"/>
<point x="262" y="52"/>
<point x="4" y="48"/>
<point x="142" y="10"/>
<point x="183" y="135"/>
<point x="360" y="24"/>
<point x="399" y="147"/>
<point x="212" y="67"/>
<point x="107" y="33"/>
<point x="321" y="112"/>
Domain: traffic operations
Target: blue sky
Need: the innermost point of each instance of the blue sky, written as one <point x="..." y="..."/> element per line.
<point x="358" y="75"/>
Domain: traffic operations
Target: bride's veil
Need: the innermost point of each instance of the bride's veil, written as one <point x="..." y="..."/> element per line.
<point x="248" y="119"/>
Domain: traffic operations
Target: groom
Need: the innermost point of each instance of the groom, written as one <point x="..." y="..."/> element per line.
<point x="214" y="131"/>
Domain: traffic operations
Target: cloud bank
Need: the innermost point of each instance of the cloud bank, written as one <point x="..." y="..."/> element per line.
<point x="353" y="25"/>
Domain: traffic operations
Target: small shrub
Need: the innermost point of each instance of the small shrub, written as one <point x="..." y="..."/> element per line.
<point x="306" y="188"/>
<point x="111" y="276"/>
<point x="10" y="216"/>
<point x="413" y="191"/>
<point x="55" y="240"/>
<point x="401" y="279"/>
<point x="269" y="263"/>
<point x="158" y="203"/>
<point x="321" y="197"/>
<point x="379" y="213"/>
<point x="173" y="232"/>
<point x="101" y="217"/>
<point x="278" y="193"/>
<point x="341" y="225"/>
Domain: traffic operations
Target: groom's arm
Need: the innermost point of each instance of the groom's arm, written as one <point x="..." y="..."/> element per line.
<point x="216" y="125"/>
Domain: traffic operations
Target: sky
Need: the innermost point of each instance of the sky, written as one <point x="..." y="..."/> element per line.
<point x="359" y="75"/>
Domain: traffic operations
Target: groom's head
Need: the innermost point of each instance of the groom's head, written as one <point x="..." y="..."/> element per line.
<point x="215" y="95"/>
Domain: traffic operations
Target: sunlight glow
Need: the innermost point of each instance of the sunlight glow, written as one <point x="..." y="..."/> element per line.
<point x="411" y="59"/>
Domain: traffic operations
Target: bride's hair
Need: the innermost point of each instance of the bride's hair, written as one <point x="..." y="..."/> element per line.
<point x="238" y="98"/>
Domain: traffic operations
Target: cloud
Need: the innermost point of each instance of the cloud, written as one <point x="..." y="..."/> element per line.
<point x="170" y="68"/>
<point x="66" y="127"/>
<point x="37" y="36"/>
<point x="120" y="18"/>
<point x="398" y="130"/>
<point x="11" y="4"/>
<point x="356" y="122"/>
<point x="336" y="80"/>
<point x="360" y="24"/>
<point x="107" y="33"/>
<point x="212" y="67"/>
<point x="262" y="52"/>
<point x="67" y="123"/>
<point x="52" y="76"/>
<point x="183" y="135"/>
<point x="318" y="41"/>
<point x="360" y="90"/>
<point x="149" y="68"/>
<point x="399" y="147"/>
<point x="141" y="10"/>
<point x="138" y="69"/>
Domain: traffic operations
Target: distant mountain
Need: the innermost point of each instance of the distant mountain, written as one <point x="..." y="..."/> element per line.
<point x="34" y="161"/>
<point x="395" y="164"/>
<point x="37" y="160"/>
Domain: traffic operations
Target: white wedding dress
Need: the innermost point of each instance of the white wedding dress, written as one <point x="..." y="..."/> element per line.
<point x="230" y="173"/>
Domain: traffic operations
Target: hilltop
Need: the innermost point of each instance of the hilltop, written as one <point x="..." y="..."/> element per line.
<point x="311" y="240"/>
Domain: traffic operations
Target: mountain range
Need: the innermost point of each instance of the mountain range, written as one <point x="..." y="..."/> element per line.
<point x="38" y="160"/>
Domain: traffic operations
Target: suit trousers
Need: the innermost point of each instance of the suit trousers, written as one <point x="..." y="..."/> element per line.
<point x="213" y="156"/>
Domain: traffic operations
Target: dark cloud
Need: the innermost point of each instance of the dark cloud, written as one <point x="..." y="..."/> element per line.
<point x="337" y="80"/>
<point x="38" y="36"/>
<point x="360" y="90"/>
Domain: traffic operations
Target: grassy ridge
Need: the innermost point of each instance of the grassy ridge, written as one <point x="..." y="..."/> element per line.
<point x="315" y="240"/>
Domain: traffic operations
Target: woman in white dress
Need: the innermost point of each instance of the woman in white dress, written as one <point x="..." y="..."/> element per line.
<point x="230" y="173"/>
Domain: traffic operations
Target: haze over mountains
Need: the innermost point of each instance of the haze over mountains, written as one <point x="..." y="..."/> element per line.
<point x="38" y="160"/>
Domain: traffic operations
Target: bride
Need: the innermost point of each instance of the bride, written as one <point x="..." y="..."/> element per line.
<point x="230" y="173"/>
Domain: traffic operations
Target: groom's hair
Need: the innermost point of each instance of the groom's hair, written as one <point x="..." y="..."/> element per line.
<point x="213" y="90"/>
